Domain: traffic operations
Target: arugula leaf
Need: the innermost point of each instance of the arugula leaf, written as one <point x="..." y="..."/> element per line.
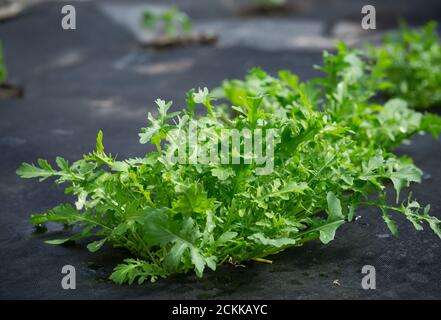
<point x="335" y="219"/>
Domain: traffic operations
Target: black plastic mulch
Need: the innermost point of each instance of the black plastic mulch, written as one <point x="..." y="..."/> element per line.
<point x="98" y="78"/>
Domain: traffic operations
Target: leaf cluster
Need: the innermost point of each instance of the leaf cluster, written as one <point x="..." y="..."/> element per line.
<point x="411" y="62"/>
<point x="332" y="154"/>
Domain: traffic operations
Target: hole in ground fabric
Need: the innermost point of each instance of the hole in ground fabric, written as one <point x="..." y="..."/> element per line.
<point x="204" y="39"/>
<point x="287" y="8"/>
<point x="8" y="90"/>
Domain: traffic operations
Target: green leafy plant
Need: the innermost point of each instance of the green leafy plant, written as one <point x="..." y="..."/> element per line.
<point x="350" y="91"/>
<point x="411" y="61"/>
<point x="3" y="70"/>
<point x="332" y="154"/>
<point x="172" y="21"/>
<point x="174" y="217"/>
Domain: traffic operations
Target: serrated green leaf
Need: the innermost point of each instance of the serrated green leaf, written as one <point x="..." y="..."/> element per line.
<point x="96" y="245"/>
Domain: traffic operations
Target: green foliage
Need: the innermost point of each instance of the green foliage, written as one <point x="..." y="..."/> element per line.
<point x="3" y="70"/>
<point x="411" y="62"/>
<point x="332" y="154"/>
<point x="172" y="21"/>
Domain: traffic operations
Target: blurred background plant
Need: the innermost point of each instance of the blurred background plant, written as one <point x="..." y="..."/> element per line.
<point x="3" y="71"/>
<point x="411" y="61"/>
<point x="170" y="23"/>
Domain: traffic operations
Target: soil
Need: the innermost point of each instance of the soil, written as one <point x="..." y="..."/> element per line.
<point x="8" y="90"/>
<point x="272" y="10"/>
<point x="182" y="41"/>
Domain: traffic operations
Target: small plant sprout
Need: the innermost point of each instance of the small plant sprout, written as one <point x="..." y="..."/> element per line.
<point x="172" y="22"/>
<point x="3" y="70"/>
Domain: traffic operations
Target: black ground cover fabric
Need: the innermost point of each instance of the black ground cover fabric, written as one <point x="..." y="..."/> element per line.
<point x="97" y="77"/>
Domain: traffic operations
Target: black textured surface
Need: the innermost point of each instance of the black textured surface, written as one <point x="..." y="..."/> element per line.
<point x="74" y="87"/>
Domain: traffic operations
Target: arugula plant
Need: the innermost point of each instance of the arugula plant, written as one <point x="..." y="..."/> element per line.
<point x="350" y="93"/>
<point x="3" y="70"/>
<point x="174" y="218"/>
<point x="332" y="154"/>
<point x="172" y="22"/>
<point x="411" y="61"/>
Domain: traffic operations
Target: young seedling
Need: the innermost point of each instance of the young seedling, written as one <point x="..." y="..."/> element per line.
<point x="7" y="89"/>
<point x="3" y="70"/>
<point x="174" y="27"/>
<point x="171" y="22"/>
